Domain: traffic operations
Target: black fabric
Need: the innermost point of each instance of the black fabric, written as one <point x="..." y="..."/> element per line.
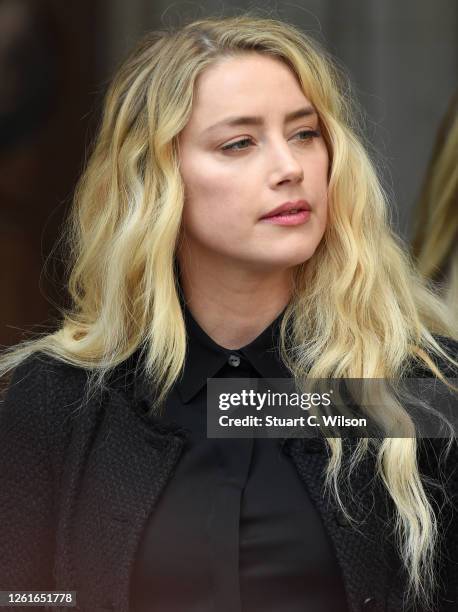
<point x="81" y="476"/>
<point x="235" y="529"/>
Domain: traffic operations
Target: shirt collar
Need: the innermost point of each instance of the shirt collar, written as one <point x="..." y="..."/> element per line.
<point x="205" y="358"/>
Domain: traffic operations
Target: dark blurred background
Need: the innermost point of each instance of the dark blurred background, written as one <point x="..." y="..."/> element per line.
<point x="56" y="59"/>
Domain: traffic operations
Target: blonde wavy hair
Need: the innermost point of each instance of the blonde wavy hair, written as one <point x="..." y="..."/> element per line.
<point x="359" y="307"/>
<point x="435" y="241"/>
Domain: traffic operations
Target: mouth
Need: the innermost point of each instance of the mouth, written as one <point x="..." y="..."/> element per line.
<point x="288" y="209"/>
<point x="292" y="217"/>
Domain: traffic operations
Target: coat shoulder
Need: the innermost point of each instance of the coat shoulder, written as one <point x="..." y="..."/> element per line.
<point x="40" y="401"/>
<point x="40" y="369"/>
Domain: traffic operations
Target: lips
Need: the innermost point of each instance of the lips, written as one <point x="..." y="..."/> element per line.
<point x="287" y="207"/>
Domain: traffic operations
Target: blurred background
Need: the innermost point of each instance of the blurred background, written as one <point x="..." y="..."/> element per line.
<point x="56" y="59"/>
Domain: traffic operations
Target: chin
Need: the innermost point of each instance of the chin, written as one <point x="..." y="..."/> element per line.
<point x="293" y="258"/>
<point x="279" y="263"/>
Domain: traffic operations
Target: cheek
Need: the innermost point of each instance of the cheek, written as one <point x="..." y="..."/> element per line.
<point x="207" y="206"/>
<point x="324" y="209"/>
<point x="199" y="188"/>
<point x="320" y="193"/>
<point x="319" y="176"/>
<point x="212" y="198"/>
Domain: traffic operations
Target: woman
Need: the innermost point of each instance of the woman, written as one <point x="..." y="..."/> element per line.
<point x="176" y="277"/>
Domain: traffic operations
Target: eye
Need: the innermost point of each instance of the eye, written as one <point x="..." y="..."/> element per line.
<point x="233" y="146"/>
<point x="309" y="134"/>
<point x="238" y="145"/>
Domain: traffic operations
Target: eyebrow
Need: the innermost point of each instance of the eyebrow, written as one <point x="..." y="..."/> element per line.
<point x="307" y="111"/>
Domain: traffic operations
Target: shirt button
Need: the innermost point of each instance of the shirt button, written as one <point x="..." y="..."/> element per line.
<point x="234" y="360"/>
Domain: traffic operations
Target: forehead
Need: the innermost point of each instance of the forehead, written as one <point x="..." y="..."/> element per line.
<point x="251" y="83"/>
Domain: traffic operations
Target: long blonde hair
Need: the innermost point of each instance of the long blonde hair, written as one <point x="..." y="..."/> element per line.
<point x="359" y="308"/>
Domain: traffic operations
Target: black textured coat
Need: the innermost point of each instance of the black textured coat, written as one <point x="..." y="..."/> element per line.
<point x="78" y="483"/>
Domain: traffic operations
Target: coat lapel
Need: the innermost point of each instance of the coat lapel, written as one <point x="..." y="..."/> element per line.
<point x="362" y="550"/>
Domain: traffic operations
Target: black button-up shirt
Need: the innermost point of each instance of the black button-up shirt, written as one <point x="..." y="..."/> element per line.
<point x="234" y="529"/>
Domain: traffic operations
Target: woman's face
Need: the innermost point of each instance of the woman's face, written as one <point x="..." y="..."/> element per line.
<point x="243" y="154"/>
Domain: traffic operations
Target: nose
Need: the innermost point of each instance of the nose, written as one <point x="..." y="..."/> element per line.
<point x="286" y="168"/>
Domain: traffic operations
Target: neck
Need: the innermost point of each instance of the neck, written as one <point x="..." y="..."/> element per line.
<point x="233" y="306"/>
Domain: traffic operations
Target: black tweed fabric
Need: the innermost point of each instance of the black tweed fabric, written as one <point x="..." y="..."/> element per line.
<point x="79" y="479"/>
